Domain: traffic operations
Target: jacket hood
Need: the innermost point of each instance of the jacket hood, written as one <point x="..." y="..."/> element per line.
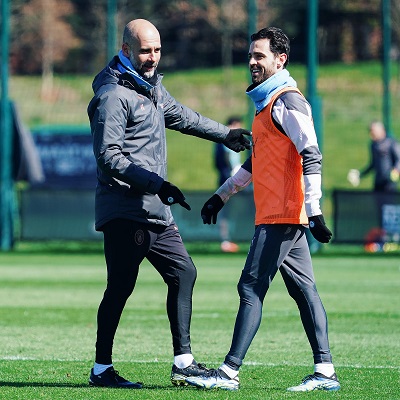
<point x="107" y="75"/>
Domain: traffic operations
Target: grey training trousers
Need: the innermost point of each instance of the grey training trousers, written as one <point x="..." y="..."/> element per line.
<point x="279" y="247"/>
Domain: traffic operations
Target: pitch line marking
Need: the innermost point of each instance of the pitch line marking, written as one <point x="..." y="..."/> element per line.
<point x="249" y="363"/>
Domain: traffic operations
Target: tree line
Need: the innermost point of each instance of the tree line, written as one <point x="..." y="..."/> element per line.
<point x="70" y="36"/>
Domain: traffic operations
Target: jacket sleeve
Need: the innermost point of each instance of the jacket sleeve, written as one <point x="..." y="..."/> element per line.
<point x="234" y="184"/>
<point x="108" y="116"/>
<point x="183" y="119"/>
<point x="396" y="154"/>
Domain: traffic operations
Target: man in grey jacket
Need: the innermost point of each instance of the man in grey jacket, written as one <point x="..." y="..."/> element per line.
<point x="128" y="116"/>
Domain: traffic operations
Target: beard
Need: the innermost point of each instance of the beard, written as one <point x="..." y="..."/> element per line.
<point x="263" y="76"/>
<point x="148" y="75"/>
<point x="139" y="68"/>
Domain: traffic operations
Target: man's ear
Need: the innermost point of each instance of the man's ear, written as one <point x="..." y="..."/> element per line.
<point x="281" y="60"/>
<point x="125" y="50"/>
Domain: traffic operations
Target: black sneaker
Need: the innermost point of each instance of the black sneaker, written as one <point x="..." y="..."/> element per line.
<point x="178" y="375"/>
<point x="110" y="378"/>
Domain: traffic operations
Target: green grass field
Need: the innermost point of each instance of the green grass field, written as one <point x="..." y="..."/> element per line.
<point x="49" y="299"/>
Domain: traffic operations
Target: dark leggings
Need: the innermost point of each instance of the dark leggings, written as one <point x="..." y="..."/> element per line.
<point x="282" y="247"/>
<point x="126" y="244"/>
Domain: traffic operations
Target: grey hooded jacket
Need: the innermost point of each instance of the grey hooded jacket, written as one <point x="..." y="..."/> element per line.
<point x="129" y="143"/>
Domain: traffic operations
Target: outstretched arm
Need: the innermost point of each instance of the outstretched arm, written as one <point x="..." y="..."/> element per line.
<point x="183" y="119"/>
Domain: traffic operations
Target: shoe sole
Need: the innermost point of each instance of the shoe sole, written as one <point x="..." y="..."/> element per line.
<point x="93" y="384"/>
<point x="214" y="386"/>
<point x="179" y="380"/>
<point x="320" y="387"/>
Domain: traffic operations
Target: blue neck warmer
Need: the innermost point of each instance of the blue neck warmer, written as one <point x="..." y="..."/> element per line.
<point x="262" y="93"/>
<point x="128" y="67"/>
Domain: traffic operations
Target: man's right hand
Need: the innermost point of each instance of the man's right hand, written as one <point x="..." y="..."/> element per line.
<point x="211" y="208"/>
<point x="236" y="141"/>
<point x="170" y="194"/>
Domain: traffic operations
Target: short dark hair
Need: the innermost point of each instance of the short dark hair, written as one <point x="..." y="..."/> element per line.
<point x="234" y="118"/>
<point x="278" y="42"/>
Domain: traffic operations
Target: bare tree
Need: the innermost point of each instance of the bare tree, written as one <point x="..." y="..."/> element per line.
<point x="43" y="37"/>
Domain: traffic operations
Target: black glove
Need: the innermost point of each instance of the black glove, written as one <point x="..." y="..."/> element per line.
<point x="170" y="194"/>
<point x="211" y="208"/>
<point x="318" y="229"/>
<point x="236" y="141"/>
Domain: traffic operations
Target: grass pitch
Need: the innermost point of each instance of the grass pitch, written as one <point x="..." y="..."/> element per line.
<point x="48" y="304"/>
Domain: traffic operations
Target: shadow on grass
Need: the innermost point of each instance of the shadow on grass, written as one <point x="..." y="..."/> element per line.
<point x="43" y="384"/>
<point x="84" y="385"/>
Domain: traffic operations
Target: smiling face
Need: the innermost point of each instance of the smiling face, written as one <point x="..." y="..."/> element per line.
<point x="142" y="45"/>
<point x="263" y="63"/>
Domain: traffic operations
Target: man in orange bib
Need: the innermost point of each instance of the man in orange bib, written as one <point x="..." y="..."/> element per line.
<point x="285" y="168"/>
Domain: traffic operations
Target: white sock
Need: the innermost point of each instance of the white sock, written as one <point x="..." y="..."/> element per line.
<point x="100" y="368"/>
<point x="232" y="373"/>
<point x="324" y="369"/>
<point x="183" y="360"/>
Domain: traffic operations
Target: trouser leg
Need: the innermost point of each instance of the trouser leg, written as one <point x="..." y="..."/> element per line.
<point x="270" y="245"/>
<point x="125" y="246"/>
<point x="169" y="256"/>
<point x="298" y="275"/>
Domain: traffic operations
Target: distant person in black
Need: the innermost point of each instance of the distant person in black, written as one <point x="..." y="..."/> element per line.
<point x="227" y="162"/>
<point x="385" y="161"/>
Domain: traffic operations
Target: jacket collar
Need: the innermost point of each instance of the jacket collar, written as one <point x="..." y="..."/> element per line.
<point x="125" y="66"/>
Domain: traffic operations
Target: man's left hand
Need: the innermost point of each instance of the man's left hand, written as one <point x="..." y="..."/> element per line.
<point x="236" y="141"/>
<point x="318" y="229"/>
<point x="169" y="194"/>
